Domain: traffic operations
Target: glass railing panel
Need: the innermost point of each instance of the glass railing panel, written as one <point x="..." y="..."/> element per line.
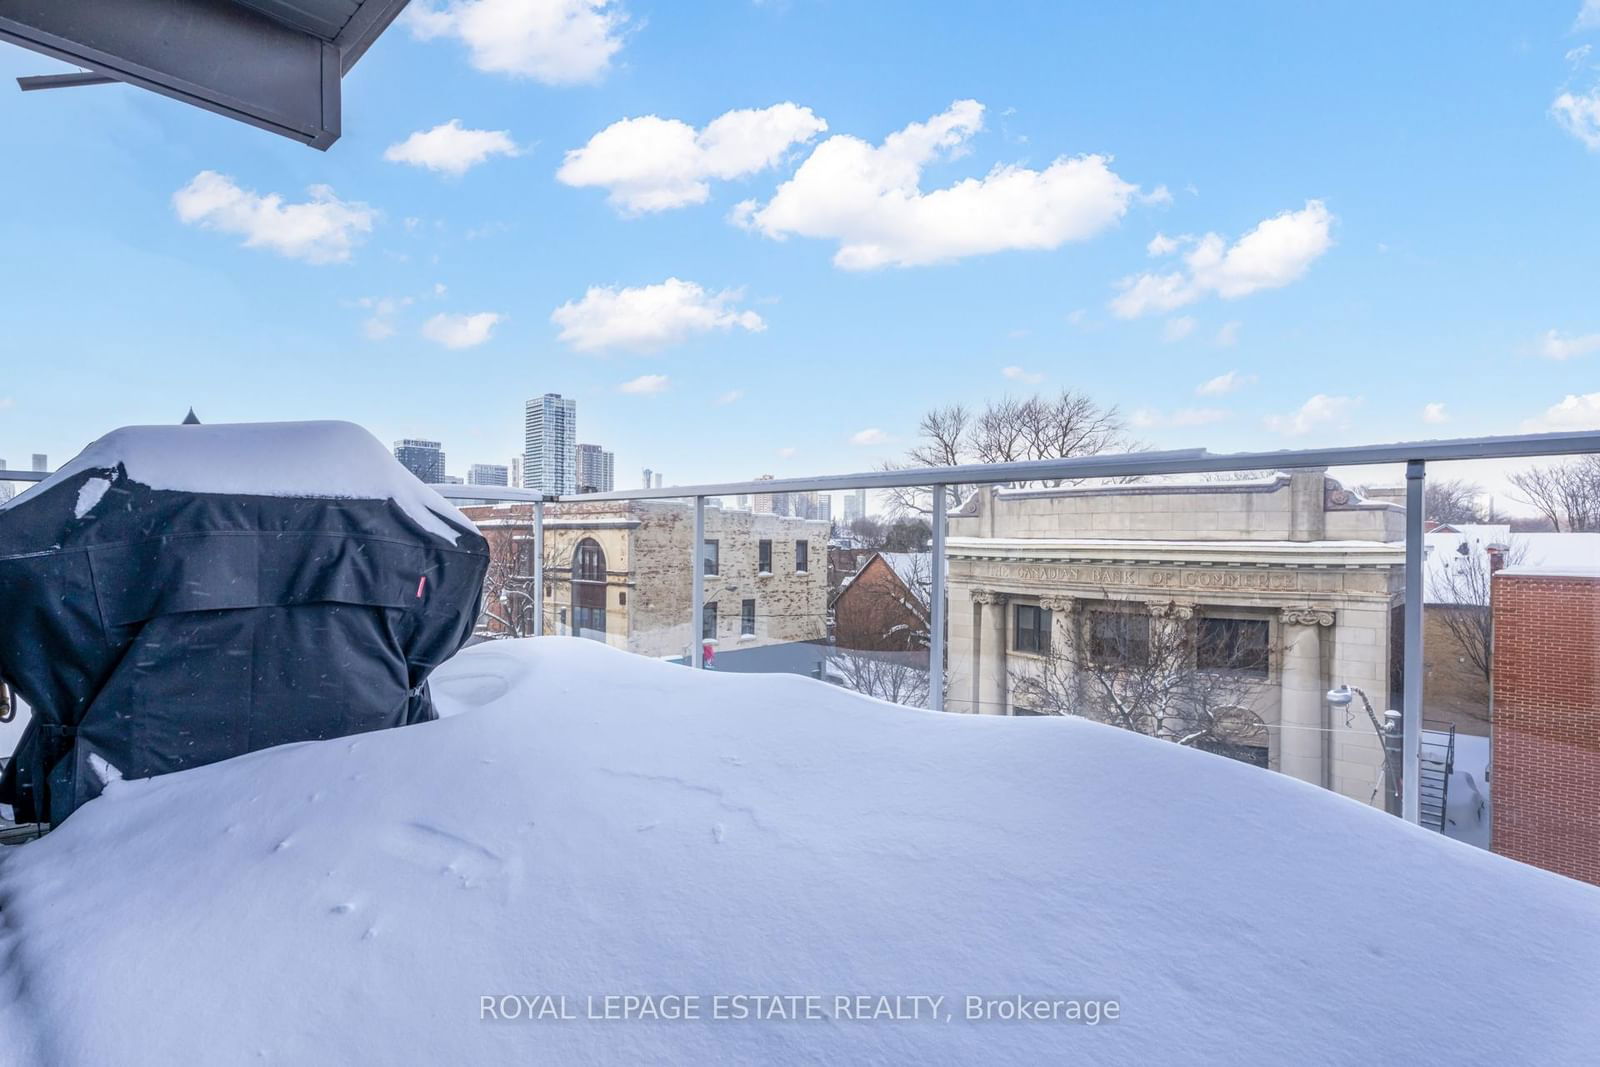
<point x="1511" y="704"/>
<point x="1212" y="611"/>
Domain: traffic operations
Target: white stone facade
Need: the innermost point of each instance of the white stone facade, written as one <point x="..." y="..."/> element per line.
<point x="1322" y="567"/>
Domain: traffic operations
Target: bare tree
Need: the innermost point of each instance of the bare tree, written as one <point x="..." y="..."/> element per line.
<point x="942" y="437"/>
<point x="898" y="677"/>
<point x="1153" y="673"/>
<point x="1568" y="494"/>
<point x="1008" y="430"/>
<point x="1459" y="587"/>
<point x="508" y="593"/>
<point x="1452" y="500"/>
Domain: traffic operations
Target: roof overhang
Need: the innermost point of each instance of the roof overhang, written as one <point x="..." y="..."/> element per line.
<point x="275" y="64"/>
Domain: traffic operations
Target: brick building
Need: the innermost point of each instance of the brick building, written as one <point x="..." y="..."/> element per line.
<point x="619" y="572"/>
<point x="883" y="607"/>
<point x="1546" y="719"/>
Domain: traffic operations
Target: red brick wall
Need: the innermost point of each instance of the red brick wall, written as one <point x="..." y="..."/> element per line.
<point x="1546" y="722"/>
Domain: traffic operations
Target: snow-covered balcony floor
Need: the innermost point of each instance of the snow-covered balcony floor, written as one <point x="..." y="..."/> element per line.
<point x="591" y="823"/>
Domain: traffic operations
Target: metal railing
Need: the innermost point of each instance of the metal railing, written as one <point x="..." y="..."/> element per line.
<point x="1414" y="454"/>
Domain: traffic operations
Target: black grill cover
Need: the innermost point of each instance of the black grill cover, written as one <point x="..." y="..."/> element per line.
<point x="154" y="629"/>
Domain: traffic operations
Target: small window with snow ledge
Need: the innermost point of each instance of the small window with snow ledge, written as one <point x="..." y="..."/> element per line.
<point x="764" y="557"/>
<point x="802" y="557"/>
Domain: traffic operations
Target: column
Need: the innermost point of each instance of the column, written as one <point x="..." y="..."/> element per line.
<point x="993" y="686"/>
<point x="1063" y="642"/>
<point x="1304" y="694"/>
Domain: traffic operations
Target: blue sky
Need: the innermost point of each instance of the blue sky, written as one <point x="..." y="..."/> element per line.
<point x="1429" y="177"/>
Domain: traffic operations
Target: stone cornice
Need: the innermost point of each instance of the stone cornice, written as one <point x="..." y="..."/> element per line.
<point x="1220" y="554"/>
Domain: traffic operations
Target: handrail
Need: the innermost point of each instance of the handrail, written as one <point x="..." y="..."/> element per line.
<point x="1118" y="465"/>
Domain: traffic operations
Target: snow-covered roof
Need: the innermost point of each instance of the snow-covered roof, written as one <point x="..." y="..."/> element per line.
<point x="1155" y="483"/>
<point x="1454" y="576"/>
<point x="587" y="822"/>
<point x="1568" y="571"/>
<point x="337" y="460"/>
<point x="915" y="569"/>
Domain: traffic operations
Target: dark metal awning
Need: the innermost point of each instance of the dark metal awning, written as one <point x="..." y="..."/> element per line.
<point x="275" y="64"/>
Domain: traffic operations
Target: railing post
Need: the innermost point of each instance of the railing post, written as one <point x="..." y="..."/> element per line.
<point x="697" y="594"/>
<point x="936" y="614"/>
<point x="538" y="568"/>
<point x="1411" y="718"/>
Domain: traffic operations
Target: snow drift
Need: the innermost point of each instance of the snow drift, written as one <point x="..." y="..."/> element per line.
<point x="586" y="823"/>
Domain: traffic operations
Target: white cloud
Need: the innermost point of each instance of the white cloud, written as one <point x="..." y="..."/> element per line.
<point x="1162" y="245"/>
<point x="1228" y="334"/>
<point x="450" y="149"/>
<point x="1278" y="251"/>
<point x="869" y="199"/>
<point x="1588" y="16"/>
<point x="1320" y="410"/>
<point x="557" y="42"/>
<point x="1579" y="115"/>
<point x="1223" y="384"/>
<point x="1148" y="418"/>
<point x="7" y="402"/>
<point x="650" y="316"/>
<point x="732" y="396"/>
<point x="1435" y="413"/>
<point x="870" y="436"/>
<point x="644" y="385"/>
<point x="1572" y="413"/>
<point x="323" y="229"/>
<point x="654" y="164"/>
<point x="1554" y="345"/>
<point x="1177" y="329"/>
<point x="461" y="331"/>
<point x="1017" y="374"/>
<point x="787" y="452"/>
<point x="380" y="324"/>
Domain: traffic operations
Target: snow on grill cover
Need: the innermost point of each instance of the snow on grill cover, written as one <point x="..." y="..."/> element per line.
<point x="177" y="595"/>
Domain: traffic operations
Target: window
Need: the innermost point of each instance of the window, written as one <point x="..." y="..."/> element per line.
<point x="589" y="590"/>
<point x="708" y="623"/>
<point x="747" y="617"/>
<point x="711" y="554"/>
<point x="1119" y="638"/>
<point x="1030" y="631"/>
<point x="802" y="556"/>
<point x="1238" y="645"/>
<point x="764" y="557"/>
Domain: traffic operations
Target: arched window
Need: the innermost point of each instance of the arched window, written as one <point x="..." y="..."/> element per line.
<point x="589" y="590"/>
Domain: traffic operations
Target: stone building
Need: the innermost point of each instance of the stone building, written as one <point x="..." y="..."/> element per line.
<point x="619" y="572"/>
<point x="1305" y="576"/>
